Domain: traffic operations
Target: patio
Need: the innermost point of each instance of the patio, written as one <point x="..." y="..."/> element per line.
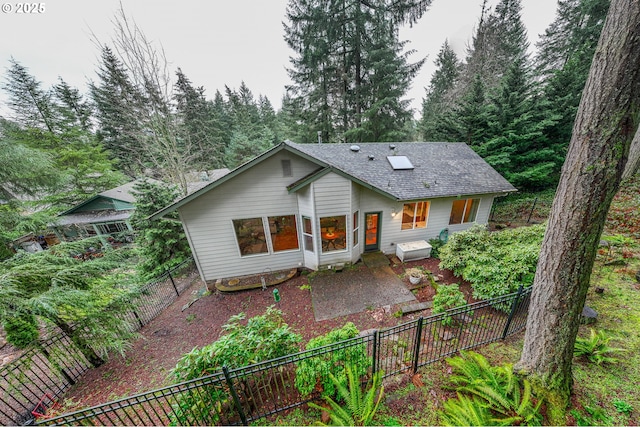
<point x="357" y="289"/>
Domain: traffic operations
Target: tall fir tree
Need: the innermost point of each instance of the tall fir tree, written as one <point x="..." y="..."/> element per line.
<point x="439" y="102"/>
<point x="56" y="121"/>
<point x="117" y="105"/>
<point x="198" y="124"/>
<point x="350" y="73"/>
<point x="564" y="55"/>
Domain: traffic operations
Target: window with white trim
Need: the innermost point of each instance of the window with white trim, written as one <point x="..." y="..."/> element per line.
<point x="250" y="236"/>
<point x="415" y="215"/>
<point x="463" y="211"/>
<point x="307" y="233"/>
<point x="284" y="233"/>
<point x="356" y="227"/>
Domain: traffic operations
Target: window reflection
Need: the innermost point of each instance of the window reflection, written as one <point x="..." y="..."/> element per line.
<point x="250" y="236"/>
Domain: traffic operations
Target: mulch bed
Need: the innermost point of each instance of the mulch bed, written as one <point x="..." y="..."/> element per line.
<point x="195" y="320"/>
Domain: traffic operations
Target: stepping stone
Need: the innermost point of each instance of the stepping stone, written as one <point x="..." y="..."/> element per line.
<point x="589" y="315"/>
<point x="447" y="336"/>
<point x="463" y="318"/>
<point x="416" y="307"/>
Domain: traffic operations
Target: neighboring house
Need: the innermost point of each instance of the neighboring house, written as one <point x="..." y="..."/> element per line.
<point x="317" y="205"/>
<point x="105" y="214"/>
<point x="108" y="213"/>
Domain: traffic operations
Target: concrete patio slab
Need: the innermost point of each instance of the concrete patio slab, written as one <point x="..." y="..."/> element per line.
<point x="354" y="290"/>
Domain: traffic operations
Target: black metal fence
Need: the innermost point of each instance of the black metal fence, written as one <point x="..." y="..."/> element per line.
<point x="241" y="395"/>
<point x="521" y="208"/>
<point x="31" y="383"/>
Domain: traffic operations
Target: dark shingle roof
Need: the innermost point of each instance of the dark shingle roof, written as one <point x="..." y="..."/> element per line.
<point x="441" y="169"/>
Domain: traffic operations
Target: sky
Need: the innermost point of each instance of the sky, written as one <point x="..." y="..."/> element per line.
<point x="216" y="42"/>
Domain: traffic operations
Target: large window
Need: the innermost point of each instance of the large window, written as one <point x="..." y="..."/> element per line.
<point x="415" y="215"/>
<point x="334" y="233"/>
<point x="307" y="233"/>
<point x="284" y="233"/>
<point x="250" y="236"/>
<point x="464" y="210"/>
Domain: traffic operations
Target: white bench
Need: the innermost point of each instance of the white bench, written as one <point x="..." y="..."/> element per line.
<point x="411" y="251"/>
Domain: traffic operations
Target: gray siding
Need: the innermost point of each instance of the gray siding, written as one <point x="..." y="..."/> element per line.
<point x="356" y="250"/>
<point x="306" y="208"/>
<point x="439" y="212"/>
<point x="332" y="194"/>
<point x="258" y="192"/>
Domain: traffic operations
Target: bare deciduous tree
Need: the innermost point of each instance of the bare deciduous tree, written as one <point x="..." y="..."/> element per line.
<point x="161" y="137"/>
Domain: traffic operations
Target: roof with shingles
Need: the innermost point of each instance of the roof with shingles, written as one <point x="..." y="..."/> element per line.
<point x="440" y="169"/>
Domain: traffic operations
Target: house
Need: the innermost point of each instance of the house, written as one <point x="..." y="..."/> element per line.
<point x="318" y="205"/>
<point x="105" y="214"/>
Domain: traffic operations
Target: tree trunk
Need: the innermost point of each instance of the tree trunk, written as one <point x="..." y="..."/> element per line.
<point x="633" y="164"/>
<point x="591" y="174"/>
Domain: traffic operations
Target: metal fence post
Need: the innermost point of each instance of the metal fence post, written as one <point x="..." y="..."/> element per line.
<point x="135" y="314"/>
<point x="532" y="208"/>
<point x="514" y="306"/>
<point x="236" y="400"/>
<point x="374" y="356"/>
<point x="172" y="282"/>
<point x="417" y="345"/>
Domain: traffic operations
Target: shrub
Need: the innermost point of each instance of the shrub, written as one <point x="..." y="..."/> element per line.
<point x="446" y="298"/>
<point x="21" y="330"/>
<point x="264" y="337"/>
<point x="436" y="244"/>
<point x="506" y="398"/>
<point x="495" y="263"/>
<point x="622" y="406"/>
<point x="315" y="371"/>
<point x="596" y="348"/>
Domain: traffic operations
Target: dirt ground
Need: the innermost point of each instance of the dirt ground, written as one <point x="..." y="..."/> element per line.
<point x="181" y="327"/>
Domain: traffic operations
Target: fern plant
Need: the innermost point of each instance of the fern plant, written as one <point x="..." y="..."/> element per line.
<point x="313" y="373"/>
<point x="507" y="397"/>
<point x="359" y="407"/>
<point x="465" y="411"/>
<point x="596" y="348"/>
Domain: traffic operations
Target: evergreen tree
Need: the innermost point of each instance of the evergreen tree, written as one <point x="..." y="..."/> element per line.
<point x="470" y="119"/>
<point x="439" y="100"/>
<point x="74" y="110"/>
<point x="518" y="148"/>
<point x="31" y="105"/>
<point x="564" y="56"/>
<point x="350" y="73"/>
<point x="198" y="124"/>
<point x="56" y="122"/>
<point x="117" y="105"/>
<point x="64" y="291"/>
<point x="24" y="171"/>
<point x="162" y="244"/>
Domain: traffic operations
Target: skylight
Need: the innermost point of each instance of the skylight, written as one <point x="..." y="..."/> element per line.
<point x="400" y="162"/>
